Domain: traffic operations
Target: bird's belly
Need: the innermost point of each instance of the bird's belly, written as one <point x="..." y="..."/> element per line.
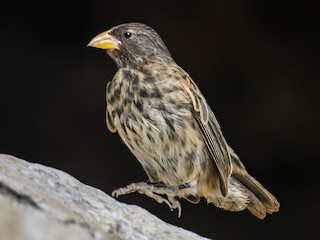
<point x="168" y="145"/>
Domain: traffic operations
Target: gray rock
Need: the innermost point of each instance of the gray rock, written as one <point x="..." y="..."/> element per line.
<point x="43" y="203"/>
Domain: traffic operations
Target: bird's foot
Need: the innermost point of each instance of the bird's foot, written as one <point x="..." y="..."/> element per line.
<point x="153" y="191"/>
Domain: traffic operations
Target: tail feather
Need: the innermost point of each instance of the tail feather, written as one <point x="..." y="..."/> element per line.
<point x="254" y="205"/>
<point x="263" y="195"/>
<point x="239" y="198"/>
<point x="243" y="192"/>
<point x="261" y="201"/>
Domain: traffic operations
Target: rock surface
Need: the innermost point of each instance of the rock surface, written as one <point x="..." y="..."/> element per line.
<point x="42" y="203"/>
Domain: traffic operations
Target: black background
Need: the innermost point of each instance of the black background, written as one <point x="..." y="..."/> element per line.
<point x="257" y="63"/>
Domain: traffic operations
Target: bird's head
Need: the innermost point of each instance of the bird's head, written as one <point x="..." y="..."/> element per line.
<point x="132" y="44"/>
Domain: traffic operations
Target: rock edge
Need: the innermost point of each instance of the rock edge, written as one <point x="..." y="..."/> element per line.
<point x="42" y="203"/>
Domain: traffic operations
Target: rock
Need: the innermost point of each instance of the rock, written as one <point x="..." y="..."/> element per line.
<point x="43" y="203"/>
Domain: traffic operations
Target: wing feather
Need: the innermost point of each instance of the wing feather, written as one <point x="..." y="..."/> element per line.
<point x="109" y="118"/>
<point x="210" y="131"/>
<point x="109" y="121"/>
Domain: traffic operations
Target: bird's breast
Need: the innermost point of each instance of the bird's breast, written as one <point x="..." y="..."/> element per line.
<point x="154" y="119"/>
<point x="136" y="99"/>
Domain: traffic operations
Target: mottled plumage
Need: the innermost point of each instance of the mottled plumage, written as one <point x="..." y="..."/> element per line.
<point x="163" y="118"/>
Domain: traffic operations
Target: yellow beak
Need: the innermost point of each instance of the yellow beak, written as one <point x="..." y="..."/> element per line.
<point x="104" y="41"/>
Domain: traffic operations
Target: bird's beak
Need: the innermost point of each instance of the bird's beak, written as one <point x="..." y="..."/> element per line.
<point x="104" y="41"/>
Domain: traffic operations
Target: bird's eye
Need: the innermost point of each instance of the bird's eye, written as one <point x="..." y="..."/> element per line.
<point x="127" y="35"/>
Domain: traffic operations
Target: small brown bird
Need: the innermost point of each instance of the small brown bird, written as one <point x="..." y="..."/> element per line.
<point x="163" y="118"/>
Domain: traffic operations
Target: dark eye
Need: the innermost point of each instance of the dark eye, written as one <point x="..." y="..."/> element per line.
<point x="127" y="35"/>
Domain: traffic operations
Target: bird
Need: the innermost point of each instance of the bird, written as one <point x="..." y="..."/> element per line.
<point x="166" y="122"/>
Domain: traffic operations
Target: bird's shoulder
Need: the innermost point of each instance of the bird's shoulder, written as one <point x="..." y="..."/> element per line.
<point x="193" y="92"/>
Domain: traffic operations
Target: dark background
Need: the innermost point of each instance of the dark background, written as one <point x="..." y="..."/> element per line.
<point x="257" y="63"/>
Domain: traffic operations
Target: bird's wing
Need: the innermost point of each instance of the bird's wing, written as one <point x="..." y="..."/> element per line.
<point x="109" y="119"/>
<point x="210" y="131"/>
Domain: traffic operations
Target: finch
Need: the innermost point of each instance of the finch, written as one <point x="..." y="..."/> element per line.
<point x="165" y="121"/>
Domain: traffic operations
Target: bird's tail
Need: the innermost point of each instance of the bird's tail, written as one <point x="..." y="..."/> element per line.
<point x="261" y="201"/>
<point x="246" y="192"/>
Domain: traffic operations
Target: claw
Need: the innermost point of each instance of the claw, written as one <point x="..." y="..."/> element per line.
<point x="114" y="194"/>
<point x="176" y="205"/>
<point x="153" y="192"/>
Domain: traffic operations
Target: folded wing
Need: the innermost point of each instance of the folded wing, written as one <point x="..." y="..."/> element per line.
<point x="210" y="131"/>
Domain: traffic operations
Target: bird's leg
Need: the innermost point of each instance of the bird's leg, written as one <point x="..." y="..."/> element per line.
<point x="161" y="184"/>
<point x="154" y="190"/>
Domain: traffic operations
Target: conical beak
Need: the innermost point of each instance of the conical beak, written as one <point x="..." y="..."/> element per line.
<point x="105" y="41"/>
